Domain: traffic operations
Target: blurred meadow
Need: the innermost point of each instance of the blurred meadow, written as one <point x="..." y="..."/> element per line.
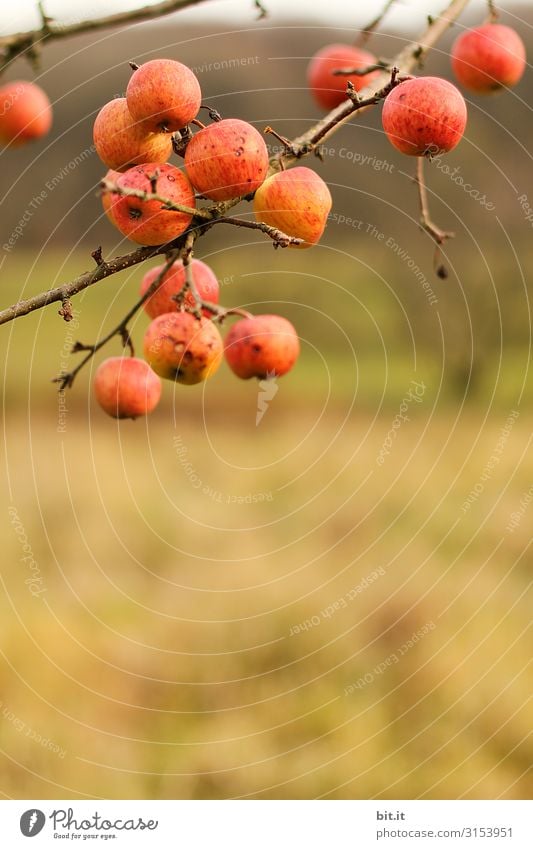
<point x="333" y="602"/>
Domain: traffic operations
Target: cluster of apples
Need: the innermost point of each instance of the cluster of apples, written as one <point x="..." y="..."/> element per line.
<point x="225" y="160"/>
<point x="186" y="349"/>
<point x="25" y="113"/>
<point x="426" y="114"/>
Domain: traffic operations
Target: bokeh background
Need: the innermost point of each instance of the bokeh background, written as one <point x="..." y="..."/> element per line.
<point x="325" y="604"/>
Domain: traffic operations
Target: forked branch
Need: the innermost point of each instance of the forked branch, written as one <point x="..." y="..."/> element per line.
<point x="439" y="236"/>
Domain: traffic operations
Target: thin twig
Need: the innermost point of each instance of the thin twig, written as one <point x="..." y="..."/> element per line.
<point x="217" y="312"/>
<point x="380" y="65"/>
<point x="20" y="42"/>
<point x="367" y="31"/>
<point x="280" y="239"/>
<point x="262" y="11"/>
<point x="66" y="379"/>
<point x="439" y="236"/>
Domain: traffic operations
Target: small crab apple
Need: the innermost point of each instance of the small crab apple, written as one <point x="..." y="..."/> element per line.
<point x="328" y="89"/>
<point x="164" y="94"/>
<point x="147" y="222"/>
<point x="424" y="115"/>
<point x="181" y="347"/>
<point x="173" y="281"/>
<point x="261" y="346"/>
<point x="226" y="159"/>
<point x="126" y="387"/>
<point x="25" y="112"/>
<point x="488" y="58"/>
<point x="297" y="202"/>
<point x="122" y="142"/>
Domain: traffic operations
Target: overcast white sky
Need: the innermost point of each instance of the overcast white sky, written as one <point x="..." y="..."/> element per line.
<point x="22" y="15"/>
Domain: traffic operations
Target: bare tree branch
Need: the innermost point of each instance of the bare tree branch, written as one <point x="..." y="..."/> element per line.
<point x="20" y="42"/>
<point x="66" y="379"/>
<point x="405" y="61"/>
<point x="367" y="31"/>
<point x="89" y="278"/>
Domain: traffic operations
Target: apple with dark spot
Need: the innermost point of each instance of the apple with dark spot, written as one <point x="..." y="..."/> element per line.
<point x="183" y="348"/>
<point x="226" y="159"/>
<point x="148" y="222"/>
<point x="423" y="116"/>
<point x="261" y="346"/>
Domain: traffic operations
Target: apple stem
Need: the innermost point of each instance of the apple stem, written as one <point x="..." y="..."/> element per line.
<point x="198" y="123"/>
<point x="180" y="139"/>
<point x="287" y="144"/>
<point x="494" y="14"/>
<point x="439" y="236"/>
<point x="238" y="311"/>
<point x="214" y="114"/>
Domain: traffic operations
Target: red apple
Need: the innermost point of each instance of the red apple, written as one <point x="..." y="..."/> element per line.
<point x="262" y="346"/>
<point x="25" y="112"/>
<point x="488" y="58"/>
<point x="424" y="115"/>
<point x="226" y="159"/>
<point x="328" y="89"/>
<point x="121" y="142"/>
<point x="181" y="347"/>
<point x="147" y="222"/>
<point x="126" y="387"/>
<point x="297" y="202"/>
<point x="161" y="301"/>
<point x="164" y="94"/>
<point x="109" y="199"/>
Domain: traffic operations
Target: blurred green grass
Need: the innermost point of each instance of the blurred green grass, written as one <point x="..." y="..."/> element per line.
<point x="360" y="338"/>
<point x="160" y="655"/>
